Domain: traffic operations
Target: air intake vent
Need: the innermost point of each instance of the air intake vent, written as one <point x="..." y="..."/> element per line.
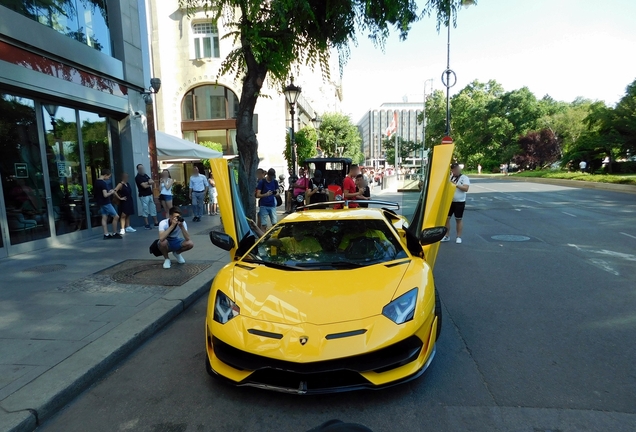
<point x="265" y="334"/>
<point x="346" y="334"/>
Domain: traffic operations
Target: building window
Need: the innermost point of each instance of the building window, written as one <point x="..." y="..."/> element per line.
<point x="84" y="21"/>
<point x="208" y="115"/>
<point x="205" y="40"/>
<point x="209" y="102"/>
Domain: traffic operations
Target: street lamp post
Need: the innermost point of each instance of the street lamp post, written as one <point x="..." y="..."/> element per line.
<point x="317" y="121"/>
<point x="291" y="94"/>
<point x="155" y="85"/>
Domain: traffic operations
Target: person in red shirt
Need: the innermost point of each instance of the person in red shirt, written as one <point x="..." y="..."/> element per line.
<point x="350" y="191"/>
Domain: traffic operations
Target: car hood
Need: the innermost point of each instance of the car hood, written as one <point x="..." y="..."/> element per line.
<point x="317" y="297"/>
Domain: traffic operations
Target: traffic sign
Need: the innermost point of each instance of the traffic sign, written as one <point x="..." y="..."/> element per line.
<point x="447" y="140"/>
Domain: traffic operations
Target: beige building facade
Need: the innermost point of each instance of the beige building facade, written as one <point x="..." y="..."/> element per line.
<point x="197" y="104"/>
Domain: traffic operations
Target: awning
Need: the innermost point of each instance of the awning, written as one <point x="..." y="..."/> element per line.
<point x="171" y="148"/>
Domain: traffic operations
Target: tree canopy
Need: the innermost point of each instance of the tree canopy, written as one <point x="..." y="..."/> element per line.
<point x="306" y="139"/>
<point x="491" y="126"/>
<point x="272" y="37"/>
<point x="338" y="131"/>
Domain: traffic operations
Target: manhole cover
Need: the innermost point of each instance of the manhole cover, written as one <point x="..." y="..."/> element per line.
<point x="142" y="272"/>
<point x="43" y="269"/>
<point x="510" y="238"/>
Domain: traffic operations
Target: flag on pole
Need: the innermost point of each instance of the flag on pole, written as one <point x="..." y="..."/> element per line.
<point x="392" y="126"/>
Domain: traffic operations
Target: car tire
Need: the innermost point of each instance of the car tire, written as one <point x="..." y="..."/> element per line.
<point x="438" y="314"/>
<point x="208" y="367"/>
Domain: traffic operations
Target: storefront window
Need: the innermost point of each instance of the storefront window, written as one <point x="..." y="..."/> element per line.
<point x="65" y="170"/>
<point x="83" y="20"/>
<point x="97" y="156"/>
<point x="21" y="170"/>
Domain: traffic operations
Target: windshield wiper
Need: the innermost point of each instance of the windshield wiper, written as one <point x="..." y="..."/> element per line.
<point x="278" y="266"/>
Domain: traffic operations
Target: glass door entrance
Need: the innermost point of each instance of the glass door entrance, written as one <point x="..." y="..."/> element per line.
<point x="26" y="201"/>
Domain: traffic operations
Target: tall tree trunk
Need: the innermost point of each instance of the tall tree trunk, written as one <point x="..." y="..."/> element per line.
<point x="246" y="141"/>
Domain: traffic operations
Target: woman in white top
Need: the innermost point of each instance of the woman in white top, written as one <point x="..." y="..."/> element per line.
<point x="165" y="197"/>
<point x="213" y="195"/>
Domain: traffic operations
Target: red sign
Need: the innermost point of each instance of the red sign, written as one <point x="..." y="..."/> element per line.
<point x="447" y="140"/>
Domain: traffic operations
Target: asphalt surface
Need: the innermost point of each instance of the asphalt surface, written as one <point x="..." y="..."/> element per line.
<point x="538" y="335"/>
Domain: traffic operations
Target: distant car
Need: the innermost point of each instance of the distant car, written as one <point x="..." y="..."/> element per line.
<point x="327" y="300"/>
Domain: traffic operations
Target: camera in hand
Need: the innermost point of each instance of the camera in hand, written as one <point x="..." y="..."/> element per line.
<point x="180" y="219"/>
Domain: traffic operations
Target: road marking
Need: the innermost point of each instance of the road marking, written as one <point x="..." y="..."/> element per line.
<point x="483" y="187"/>
<point x="569" y="214"/>
<point x="628" y="235"/>
<point x="604" y="265"/>
<point x="527" y="199"/>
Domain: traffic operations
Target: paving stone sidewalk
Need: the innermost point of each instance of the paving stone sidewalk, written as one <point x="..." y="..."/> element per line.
<point x="69" y="313"/>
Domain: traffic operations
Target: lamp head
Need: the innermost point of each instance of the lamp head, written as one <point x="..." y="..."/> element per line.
<point x="292" y="92"/>
<point x="155" y="84"/>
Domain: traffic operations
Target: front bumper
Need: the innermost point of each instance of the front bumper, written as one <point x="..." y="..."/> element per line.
<point x="400" y="362"/>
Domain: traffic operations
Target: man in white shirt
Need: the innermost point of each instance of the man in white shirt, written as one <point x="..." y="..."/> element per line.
<point x="583" y="166"/>
<point x="198" y="191"/>
<point x="174" y="237"/>
<point x="461" y="183"/>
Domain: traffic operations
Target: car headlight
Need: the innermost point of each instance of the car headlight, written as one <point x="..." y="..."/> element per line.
<point x="224" y="308"/>
<point x="402" y="309"/>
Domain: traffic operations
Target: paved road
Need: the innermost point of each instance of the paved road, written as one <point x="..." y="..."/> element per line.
<point x="538" y="335"/>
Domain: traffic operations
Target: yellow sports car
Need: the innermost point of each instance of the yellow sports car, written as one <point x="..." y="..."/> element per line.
<point x="327" y="300"/>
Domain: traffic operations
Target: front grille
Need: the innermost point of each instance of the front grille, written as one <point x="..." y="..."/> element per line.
<point x="380" y="360"/>
<point x="307" y="383"/>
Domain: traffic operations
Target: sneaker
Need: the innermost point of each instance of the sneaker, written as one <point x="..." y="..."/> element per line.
<point x="195" y="219"/>
<point x="179" y="258"/>
<point x="107" y="236"/>
<point x="122" y="232"/>
<point x="167" y="263"/>
<point x="445" y="239"/>
<point x="130" y="229"/>
<point x="156" y="224"/>
<point x="147" y="227"/>
<point x="116" y="236"/>
<point x="458" y="241"/>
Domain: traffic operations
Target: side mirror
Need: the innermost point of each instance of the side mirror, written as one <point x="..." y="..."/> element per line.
<point x="432" y="235"/>
<point x="222" y="240"/>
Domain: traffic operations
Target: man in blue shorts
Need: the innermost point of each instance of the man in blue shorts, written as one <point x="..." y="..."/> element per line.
<point x="102" y="194"/>
<point x="174" y="237"/>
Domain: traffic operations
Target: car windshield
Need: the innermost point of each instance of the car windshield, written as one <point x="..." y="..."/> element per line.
<point x="327" y="245"/>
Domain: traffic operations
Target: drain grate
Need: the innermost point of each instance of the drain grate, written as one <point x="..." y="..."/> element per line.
<point x="44" y="269"/>
<point x="510" y="238"/>
<point x="152" y="273"/>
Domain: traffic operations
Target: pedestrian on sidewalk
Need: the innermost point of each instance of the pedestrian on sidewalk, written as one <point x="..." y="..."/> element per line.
<point x="479" y="169"/>
<point x="213" y="195"/>
<point x="364" y="193"/>
<point x="349" y="186"/>
<point x="260" y="175"/>
<point x="144" y="189"/>
<point x="461" y="183"/>
<point x="123" y="192"/>
<point x="174" y="237"/>
<point x="266" y="191"/>
<point x="102" y="198"/>
<point x="165" y="193"/>
<point x="198" y="190"/>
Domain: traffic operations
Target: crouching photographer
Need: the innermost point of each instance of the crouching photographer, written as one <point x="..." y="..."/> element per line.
<point x="174" y="237"/>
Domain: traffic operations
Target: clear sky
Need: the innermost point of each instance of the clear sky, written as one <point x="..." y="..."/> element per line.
<point x="564" y="48"/>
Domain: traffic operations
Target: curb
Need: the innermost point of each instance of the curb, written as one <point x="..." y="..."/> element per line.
<point x="624" y="188"/>
<point x="39" y="400"/>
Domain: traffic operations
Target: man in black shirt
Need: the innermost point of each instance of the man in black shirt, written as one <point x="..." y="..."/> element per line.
<point x="144" y="187"/>
<point x="102" y="193"/>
